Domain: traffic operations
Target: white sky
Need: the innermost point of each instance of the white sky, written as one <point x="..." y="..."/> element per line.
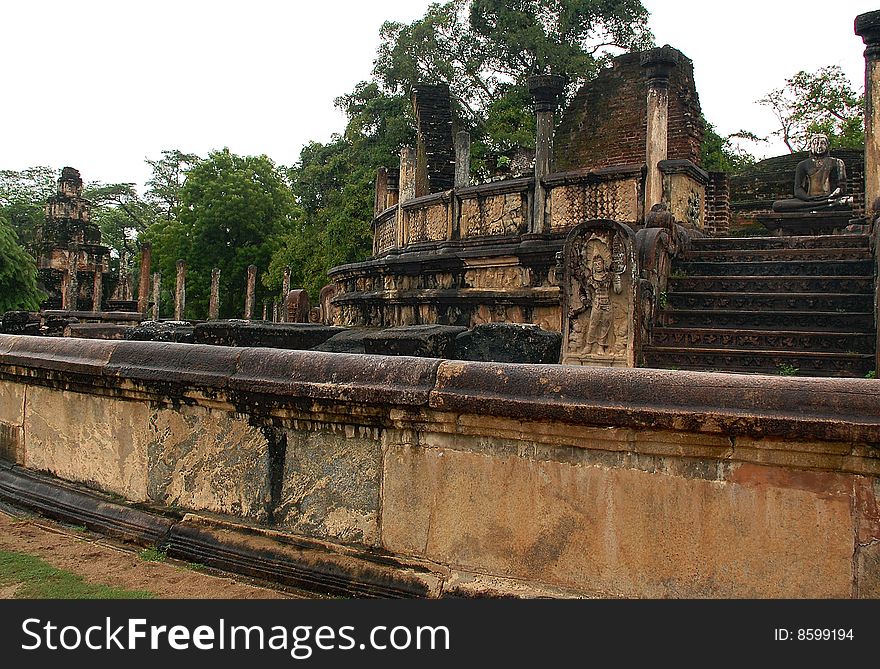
<point x="102" y="84"/>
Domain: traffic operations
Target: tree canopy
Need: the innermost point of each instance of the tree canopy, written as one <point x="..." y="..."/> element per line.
<point x="18" y="273"/>
<point x="232" y="212"/>
<point x="818" y="102"/>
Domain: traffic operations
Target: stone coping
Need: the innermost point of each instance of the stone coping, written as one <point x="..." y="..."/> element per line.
<point x="844" y="410"/>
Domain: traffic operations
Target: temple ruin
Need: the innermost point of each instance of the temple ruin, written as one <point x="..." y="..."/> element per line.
<point x="525" y="390"/>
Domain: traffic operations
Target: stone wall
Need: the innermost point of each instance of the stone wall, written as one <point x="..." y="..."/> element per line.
<point x="435" y="155"/>
<point x="717" y="204"/>
<point x="504" y="479"/>
<point x="605" y="124"/>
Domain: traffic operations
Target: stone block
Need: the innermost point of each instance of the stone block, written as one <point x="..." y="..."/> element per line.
<point x="508" y="342"/>
<point x="609" y="531"/>
<point x="206" y="460"/>
<point x="98" y="441"/>
<point x="330" y="488"/>
<point x="424" y="341"/>
<point x="167" y="331"/>
<point x="297" y="336"/>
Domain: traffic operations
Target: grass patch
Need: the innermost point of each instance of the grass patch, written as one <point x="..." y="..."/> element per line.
<point x="153" y="555"/>
<point x="196" y="566"/>
<point x="786" y="369"/>
<point x="872" y="374"/>
<point x="39" y="580"/>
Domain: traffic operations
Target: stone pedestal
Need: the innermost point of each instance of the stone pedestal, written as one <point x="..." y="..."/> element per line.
<point x="783" y="224"/>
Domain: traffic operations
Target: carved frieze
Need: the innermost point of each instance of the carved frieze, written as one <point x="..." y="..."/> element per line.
<point x="571" y="204"/>
<point x="493" y="215"/>
<point x="599" y="295"/>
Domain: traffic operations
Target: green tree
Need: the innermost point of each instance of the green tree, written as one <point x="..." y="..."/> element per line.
<point x="23" y="198"/>
<point x="333" y="184"/>
<point x="167" y="179"/>
<point x="18" y="273"/>
<point x="233" y="210"/>
<point x="818" y="102"/>
<point x="721" y="154"/>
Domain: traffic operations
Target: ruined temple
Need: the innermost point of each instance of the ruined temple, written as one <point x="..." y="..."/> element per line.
<point x="71" y="260"/>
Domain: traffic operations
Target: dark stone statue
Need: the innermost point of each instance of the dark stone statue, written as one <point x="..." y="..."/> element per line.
<point x="819" y="181"/>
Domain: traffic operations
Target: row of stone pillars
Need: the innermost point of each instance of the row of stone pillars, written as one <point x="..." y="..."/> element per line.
<point x="278" y="316"/>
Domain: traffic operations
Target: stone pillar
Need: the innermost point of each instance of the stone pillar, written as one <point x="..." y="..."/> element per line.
<point x="265" y="310"/>
<point x="144" y="285"/>
<point x="462" y="159"/>
<point x="658" y="64"/>
<point x="157" y="294"/>
<point x="251" y="289"/>
<point x="275" y="310"/>
<point x="72" y="278"/>
<point x="214" y="301"/>
<point x="180" y="291"/>
<point x="545" y="89"/>
<point x="381" y="193"/>
<point x="97" y="288"/>
<point x="285" y="288"/>
<point x="867" y="26"/>
<point x="407" y="190"/>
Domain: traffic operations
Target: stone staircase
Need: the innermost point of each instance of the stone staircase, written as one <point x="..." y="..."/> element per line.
<point x="771" y="305"/>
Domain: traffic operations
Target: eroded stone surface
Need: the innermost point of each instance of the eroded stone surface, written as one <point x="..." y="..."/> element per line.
<point x="98" y="441"/>
<point x="331" y="484"/>
<point x="208" y="460"/>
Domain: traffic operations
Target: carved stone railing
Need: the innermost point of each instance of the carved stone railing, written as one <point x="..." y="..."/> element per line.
<point x="504" y="208"/>
<point x="614" y="193"/>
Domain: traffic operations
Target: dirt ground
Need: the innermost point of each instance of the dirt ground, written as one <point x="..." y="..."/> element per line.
<point x="101" y="560"/>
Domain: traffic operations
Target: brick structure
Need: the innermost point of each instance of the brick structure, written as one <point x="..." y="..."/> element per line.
<point x="717" y="216"/>
<point x="435" y="155"/>
<point x="605" y="124"/>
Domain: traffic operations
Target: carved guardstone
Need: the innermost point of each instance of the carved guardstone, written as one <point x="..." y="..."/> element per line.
<point x="599" y="295"/>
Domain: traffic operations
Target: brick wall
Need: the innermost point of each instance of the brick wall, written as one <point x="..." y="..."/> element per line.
<point x="605" y="124"/>
<point x="435" y="153"/>
<point x="717" y="221"/>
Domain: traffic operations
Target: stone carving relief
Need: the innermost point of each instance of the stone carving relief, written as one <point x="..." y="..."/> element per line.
<point x="599" y="295"/>
<point x="386" y="234"/>
<point x="494" y="215"/>
<point x="606" y="200"/>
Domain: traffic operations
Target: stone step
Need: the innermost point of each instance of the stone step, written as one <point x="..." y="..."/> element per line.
<point x="810" y="242"/>
<point x="772" y="284"/>
<point x="774" y="302"/>
<point x="770" y="320"/>
<point x="778" y="255"/>
<point x="779" y="340"/>
<point x="786" y="363"/>
<point x="778" y="268"/>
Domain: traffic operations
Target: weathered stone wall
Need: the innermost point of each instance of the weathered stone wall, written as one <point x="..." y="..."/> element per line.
<point x="605" y="124"/>
<point x="598" y="482"/>
<point x="754" y="189"/>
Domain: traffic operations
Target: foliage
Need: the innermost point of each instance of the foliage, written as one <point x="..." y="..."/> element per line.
<point x="18" y="274"/>
<point x="23" y="198"/>
<point x="334" y="184"/>
<point x="818" y="102"/>
<point x="232" y="212"/>
<point x="166" y="182"/>
<point x="38" y="580"/>
<point x="720" y="154"/>
<point x="486" y="49"/>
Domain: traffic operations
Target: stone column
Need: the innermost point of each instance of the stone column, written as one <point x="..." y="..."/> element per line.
<point x="144" y="284"/>
<point x="265" y="310"/>
<point x="867" y="26"/>
<point x="658" y="64"/>
<point x="462" y="159"/>
<point x="251" y="289"/>
<point x="214" y="301"/>
<point x="407" y="190"/>
<point x="97" y="288"/>
<point x="275" y="310"/>
<point x="180" y="291"/>
<point x="72" y="278"/>
<point x="157" y="294"/>
<point x="285" y="288"/>
<point x="545" y="89"/>
<point x="381" y="193"/>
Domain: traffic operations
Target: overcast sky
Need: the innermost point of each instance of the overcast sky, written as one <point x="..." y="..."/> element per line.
<point x="103" y="84"/>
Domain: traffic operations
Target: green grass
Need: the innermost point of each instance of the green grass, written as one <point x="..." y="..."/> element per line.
<point x="786" y="369"/>
<point x="153" y="555"/>
<point x="39" y="580"/>
<point x="872" y="374"/>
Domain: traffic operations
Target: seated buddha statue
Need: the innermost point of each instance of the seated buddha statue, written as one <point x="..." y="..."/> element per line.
<point x="819" y="181"/>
